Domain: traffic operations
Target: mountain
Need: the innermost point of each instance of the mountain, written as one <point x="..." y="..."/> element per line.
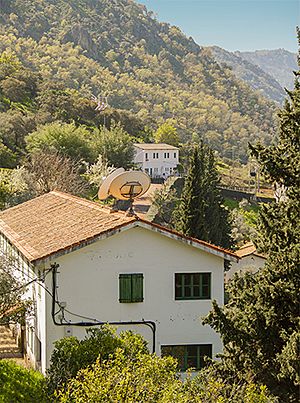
<point x="278" y="63"/>
<point x="251" y="73"/>
<point x="67" y="50"/>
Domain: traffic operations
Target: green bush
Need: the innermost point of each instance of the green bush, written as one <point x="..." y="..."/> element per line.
<point x="150" y="379"/>
<point x="18" y="384"/>
<point x="70" y="354"/>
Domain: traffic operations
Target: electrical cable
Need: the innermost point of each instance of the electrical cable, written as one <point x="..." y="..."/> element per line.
<point x="148" y="323"/>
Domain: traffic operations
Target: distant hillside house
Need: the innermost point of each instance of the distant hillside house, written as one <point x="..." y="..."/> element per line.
<point x="157" y="160"/>
<point x="87" y="265"/>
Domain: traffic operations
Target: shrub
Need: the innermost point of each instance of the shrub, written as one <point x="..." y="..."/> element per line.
<point x="70" y="354"/>
<point x="18" y="384"/>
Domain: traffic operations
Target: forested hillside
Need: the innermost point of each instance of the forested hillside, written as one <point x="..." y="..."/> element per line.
<point x="57" y="53"/>
<point x="279" y="63"/>
<point x="252" y="74"/>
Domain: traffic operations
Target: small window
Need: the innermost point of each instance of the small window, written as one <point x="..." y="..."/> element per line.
<point x="192" y="286"/>
<point x="156" y="155"/>
<point x="188" y="356"/>
<point x="131" y="287"/>
<point x="38" y="349"/>
<point x="168" y="155"/>
<point x="174" y="155"/>
<point x="165" y="155"/>
<point x="146" y="156"/>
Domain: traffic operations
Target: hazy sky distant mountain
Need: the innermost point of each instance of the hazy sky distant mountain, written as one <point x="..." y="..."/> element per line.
<point x="244" y="25"/>
<point x="279" y="63"/>
<point x="250" y="72"/>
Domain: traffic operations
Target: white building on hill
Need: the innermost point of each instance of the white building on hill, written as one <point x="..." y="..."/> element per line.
<point x="85" y="261"/>
<point x="157" y="160"/>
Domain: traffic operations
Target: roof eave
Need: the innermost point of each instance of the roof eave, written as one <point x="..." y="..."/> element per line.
<point x="205" y="246"/>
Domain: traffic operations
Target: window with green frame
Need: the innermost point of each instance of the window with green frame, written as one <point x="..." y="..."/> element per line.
<point x="131" y="287"/>
<point x="189" y="355"/>
<point x="192" y="286"/>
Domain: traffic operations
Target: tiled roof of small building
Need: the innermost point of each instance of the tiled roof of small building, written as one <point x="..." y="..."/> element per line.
<point x="248" y="249"/>
<point x="55" y="221"/>
<point x="155" y="146"/>
<point x="58" y="222"/>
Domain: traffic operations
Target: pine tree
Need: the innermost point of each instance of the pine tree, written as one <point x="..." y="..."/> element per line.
<point x="260" y="324"/>
<point x="200" y="213"/>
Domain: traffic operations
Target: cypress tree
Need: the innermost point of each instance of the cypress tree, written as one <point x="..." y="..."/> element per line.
<point x="260" y="324"/>
<point x="200" y="213"/>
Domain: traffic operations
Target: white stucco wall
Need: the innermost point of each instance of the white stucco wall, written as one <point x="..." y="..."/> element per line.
<point x="251" y="263"/>
<point x="163" y="166"/>
<point x="88" y="281"/>
<point x="35" y="324"/>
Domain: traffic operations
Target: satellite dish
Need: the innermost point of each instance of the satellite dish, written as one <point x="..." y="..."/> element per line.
<point x="129" y="185"/>
<point x="103" y="192"/>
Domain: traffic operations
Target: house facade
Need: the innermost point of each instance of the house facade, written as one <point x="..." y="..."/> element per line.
<point x="157" y="160"/>
<point x="87" y="266"/>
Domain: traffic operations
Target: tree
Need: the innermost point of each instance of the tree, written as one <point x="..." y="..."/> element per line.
<point x="66" y="139"/>
<point x="115" y="145"/>
<point x="12" y="306"/>
<point x="200" y="213"/>
<point x="260" y="324"/>
<point x="166" y="133"/>
<point x="7" y="157"/>
<point x="48" y="170"/>
<point x="164" y="201"/>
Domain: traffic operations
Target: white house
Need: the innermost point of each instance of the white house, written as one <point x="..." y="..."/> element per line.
<point x="88" y="265"/>
<point x="157" y="160"/>
<point x="249" y="260"/>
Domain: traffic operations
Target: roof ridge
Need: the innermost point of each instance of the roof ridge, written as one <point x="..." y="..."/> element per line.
<point x="88" y="203"/>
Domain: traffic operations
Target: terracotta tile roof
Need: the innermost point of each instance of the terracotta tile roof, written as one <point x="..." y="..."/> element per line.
<point x="248" y="249"/>
<point x="56" y="221"/>
<point x="155" y="146"/>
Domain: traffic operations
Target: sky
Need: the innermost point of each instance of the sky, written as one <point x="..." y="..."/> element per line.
<point x="233" y="24"/>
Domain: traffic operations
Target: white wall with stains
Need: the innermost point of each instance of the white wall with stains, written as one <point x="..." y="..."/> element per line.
<point x="88" y="283"/>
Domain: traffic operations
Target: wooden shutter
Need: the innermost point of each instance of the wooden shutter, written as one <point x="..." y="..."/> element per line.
<point x="125" y="288"/>
<point x="137" y="288"/>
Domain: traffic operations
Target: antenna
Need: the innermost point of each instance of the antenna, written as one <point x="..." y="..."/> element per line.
<point x="125" y="186"/>
<point x="101" y="102"/>
<point x="103" y="192"/>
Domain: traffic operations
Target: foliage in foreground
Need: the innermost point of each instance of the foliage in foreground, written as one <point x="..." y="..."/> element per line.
<point x="260" y="324"/>
<point x="12" y="305"/>
<point x="148" y="378"/>
<point x="18" y="384"/>
<point x="70" y="354"/>
<point x="105" y="367"/>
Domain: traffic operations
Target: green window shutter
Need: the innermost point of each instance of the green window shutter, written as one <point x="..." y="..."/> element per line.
<point x="137" y="288"/>
<point x="125" y="287"/>
<point x="131" y="287"/>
